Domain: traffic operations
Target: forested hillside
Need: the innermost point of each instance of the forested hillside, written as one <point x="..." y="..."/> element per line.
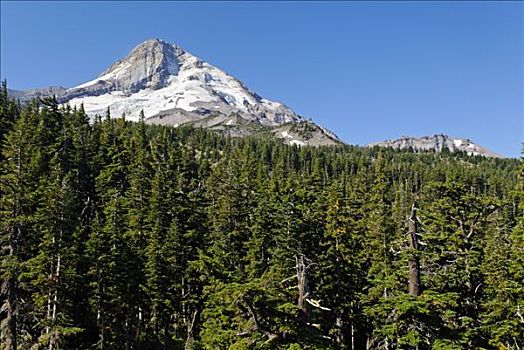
<point x="122" y="235"/>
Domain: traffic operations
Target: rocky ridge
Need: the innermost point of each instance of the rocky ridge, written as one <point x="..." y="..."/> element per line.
<point x="437" y="143"/>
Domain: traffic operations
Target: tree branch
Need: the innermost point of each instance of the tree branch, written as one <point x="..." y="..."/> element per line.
<point x="316" y="303"/>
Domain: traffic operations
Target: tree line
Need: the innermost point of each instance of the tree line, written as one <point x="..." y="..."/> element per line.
<point x="123" y="235"/>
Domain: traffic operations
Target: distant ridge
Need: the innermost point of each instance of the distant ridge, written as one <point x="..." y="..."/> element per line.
<point x="437" y="143"/>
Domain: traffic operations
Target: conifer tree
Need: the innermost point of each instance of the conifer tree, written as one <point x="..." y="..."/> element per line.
<point x="53" y="268"/>
<point x="20" y="192"/>
<point x="341" y="273"/>
<point x="503" y="284"/>
<point x="455" y="226"/>
<point x="9" y="111"/>
<point x="378" y="246"/>
<point x="159" y="273"/>
<point x="114" y="294"/>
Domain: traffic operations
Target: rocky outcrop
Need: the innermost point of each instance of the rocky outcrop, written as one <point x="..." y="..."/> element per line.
<point x="437" y="143"/>
<point x="149" y="65"/>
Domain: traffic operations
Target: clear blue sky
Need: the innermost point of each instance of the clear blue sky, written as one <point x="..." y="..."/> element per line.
<point x="366" y="70"/>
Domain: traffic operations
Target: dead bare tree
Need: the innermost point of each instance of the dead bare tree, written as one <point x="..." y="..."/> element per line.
<point x="189" y="345"/>
<point x="305" y="301"/>
<point x="302" y="264"/>
<point x="413" y="263"/>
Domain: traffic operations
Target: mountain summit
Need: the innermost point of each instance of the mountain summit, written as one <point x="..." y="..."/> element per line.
<point x="174" y="87"/>
<point x="149" y="65"/>
<point x="164" y="79"/>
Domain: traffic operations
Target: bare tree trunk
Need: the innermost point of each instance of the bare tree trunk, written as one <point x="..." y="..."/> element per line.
<point x="303" y="287"/>
<point x="414" y="264"/>
<point x="48" y="314"/>
<point x="9" y="336"/>
<point x="52" y="338"/>
<point x="127" y="333"/>
<point x="339" y="338"/>
<point x="8" y="326"/>
<point x="138" y="327"/>
<point x="189" y="345"/>
<point x="352" y="336"/>
<point x="101" y="314"/>
<point x="386" y="340"/>
<point x="54" y="280"/>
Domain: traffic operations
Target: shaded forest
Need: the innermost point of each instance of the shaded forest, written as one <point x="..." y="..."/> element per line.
<point x="123" y="235"/>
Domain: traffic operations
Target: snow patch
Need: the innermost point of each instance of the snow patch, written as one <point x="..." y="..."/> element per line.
<point x="297" y="142"/>
<point x="286" y="134"/>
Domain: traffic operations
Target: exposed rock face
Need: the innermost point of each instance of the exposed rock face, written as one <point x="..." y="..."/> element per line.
<point x="35" y="93"/>
<point x="437" y="143"/>
<point x="149" y="65"/>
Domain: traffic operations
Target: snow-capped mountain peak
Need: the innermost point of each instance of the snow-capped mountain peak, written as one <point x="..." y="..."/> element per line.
<point x="165" y="80"/>
<point x="175" y="87"/>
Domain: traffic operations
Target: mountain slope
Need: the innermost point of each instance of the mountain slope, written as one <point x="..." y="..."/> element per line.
<point x="174" y="87"/>
<point x="437" y="143"/>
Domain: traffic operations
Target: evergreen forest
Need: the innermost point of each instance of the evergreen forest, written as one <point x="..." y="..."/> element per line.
<point x="124" y="235"/>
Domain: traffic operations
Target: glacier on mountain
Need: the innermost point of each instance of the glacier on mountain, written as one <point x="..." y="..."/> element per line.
<point x="157" y="77"/>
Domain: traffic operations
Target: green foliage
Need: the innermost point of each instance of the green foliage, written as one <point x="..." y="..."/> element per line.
<point x="124" y="235"/>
